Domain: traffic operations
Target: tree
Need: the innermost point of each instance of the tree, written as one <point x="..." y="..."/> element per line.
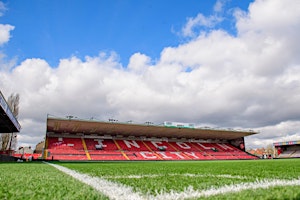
<point x="9" y="140"/>
<point x="270" y="150"/>
<point x="5" y="141"/>
<point x="13" y="103"/>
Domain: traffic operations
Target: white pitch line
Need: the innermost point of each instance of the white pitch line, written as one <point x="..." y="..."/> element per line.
<point x="191" y="193"/>
<point x="183" y="175"/>
<point x="121" y="192"/>
<point x="110" y="189"/>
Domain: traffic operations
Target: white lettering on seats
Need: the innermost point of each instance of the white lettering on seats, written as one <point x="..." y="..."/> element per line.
<point x="148" y="155"/>
<point x="177" y="154"/>
<point x="204" y="147"/>
<point x="164" y="155"/>
<point x="132" y="143"/>
<point x="191" y="154"/>
<point x="100" y="142"/>
<point x="224" y="146"/>
<point x="183" y="145"/>
<point x="155" y="143"/>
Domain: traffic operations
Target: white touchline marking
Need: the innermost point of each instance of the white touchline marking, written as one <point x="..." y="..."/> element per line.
<point x="118" y="191"/>
<point x="191" y="193"/>
<point x="186" y="175"/>
<point x="110" y="189"/>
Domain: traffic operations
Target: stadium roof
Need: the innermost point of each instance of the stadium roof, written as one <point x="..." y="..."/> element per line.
<point x="8" y="123"/>
<point x="75" y="126"/>
<point x="287" y="143"/>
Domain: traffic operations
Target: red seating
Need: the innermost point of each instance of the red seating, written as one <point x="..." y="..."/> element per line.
<point x="159" y="146"/>
<point x="66" y="149"/>
<point x="92" y="144"/>
<point x="132" y="145"/>
<point x="207" y="147"/>
<point x="18" y="155"/>
<point x="69" y="157"/>
<point x="107" y="155"/>
<point x="65" y="143"/>
<point x="28" y="155"/>
<point x="37" y="155"/>
<point x="184" y="146"/>
<point x="109" y="149"/>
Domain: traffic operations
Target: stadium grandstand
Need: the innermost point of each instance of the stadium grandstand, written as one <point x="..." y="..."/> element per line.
<point x="88" y="140"/>
<point x="289" y="149"/>
<point x="8" y="124"/>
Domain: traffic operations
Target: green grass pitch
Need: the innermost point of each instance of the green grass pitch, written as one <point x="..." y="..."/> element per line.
<point x="151" y="179"/>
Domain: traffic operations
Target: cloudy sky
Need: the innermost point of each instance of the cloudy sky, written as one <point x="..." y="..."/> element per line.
<point x="224" y="63"/>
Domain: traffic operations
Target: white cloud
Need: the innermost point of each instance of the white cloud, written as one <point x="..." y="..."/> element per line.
<point x="199" y="21"/>
<point x="248" y="81"/>
<point x="283" y="131"/>
<point x="138" y="62"/>
<point x="2" y="8"/>
<point x="4" y="28"/>
<point x="5" y="33"/>
<point x="285" y="18"/>
<point x="32" y="128"/>
<point x="219" y="5"/>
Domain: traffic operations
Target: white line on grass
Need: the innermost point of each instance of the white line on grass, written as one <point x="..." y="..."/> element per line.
<point x="111" y="190"/>
<point x="118" y="191"/>
<point x="183" y="175"/>
<point x="191" y="193"/>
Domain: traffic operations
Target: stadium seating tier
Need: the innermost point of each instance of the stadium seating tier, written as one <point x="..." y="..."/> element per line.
<point x="59" y="148"/>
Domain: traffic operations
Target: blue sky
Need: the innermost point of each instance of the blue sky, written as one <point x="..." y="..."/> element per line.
<point x="59" y="29"/>
<point x="217" y="63"/>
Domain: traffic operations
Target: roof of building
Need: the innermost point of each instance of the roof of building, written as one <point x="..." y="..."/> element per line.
<point x="287" y="143"/>
<point x="8" y="123"/>
<point x="89" y="127"/>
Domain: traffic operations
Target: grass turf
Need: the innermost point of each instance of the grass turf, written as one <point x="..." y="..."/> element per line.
<point x="153" y="177"/>
<point x="41" y="181"/>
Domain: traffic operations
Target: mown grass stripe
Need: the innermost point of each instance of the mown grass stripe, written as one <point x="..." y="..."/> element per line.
<point x="110" y="189"/>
